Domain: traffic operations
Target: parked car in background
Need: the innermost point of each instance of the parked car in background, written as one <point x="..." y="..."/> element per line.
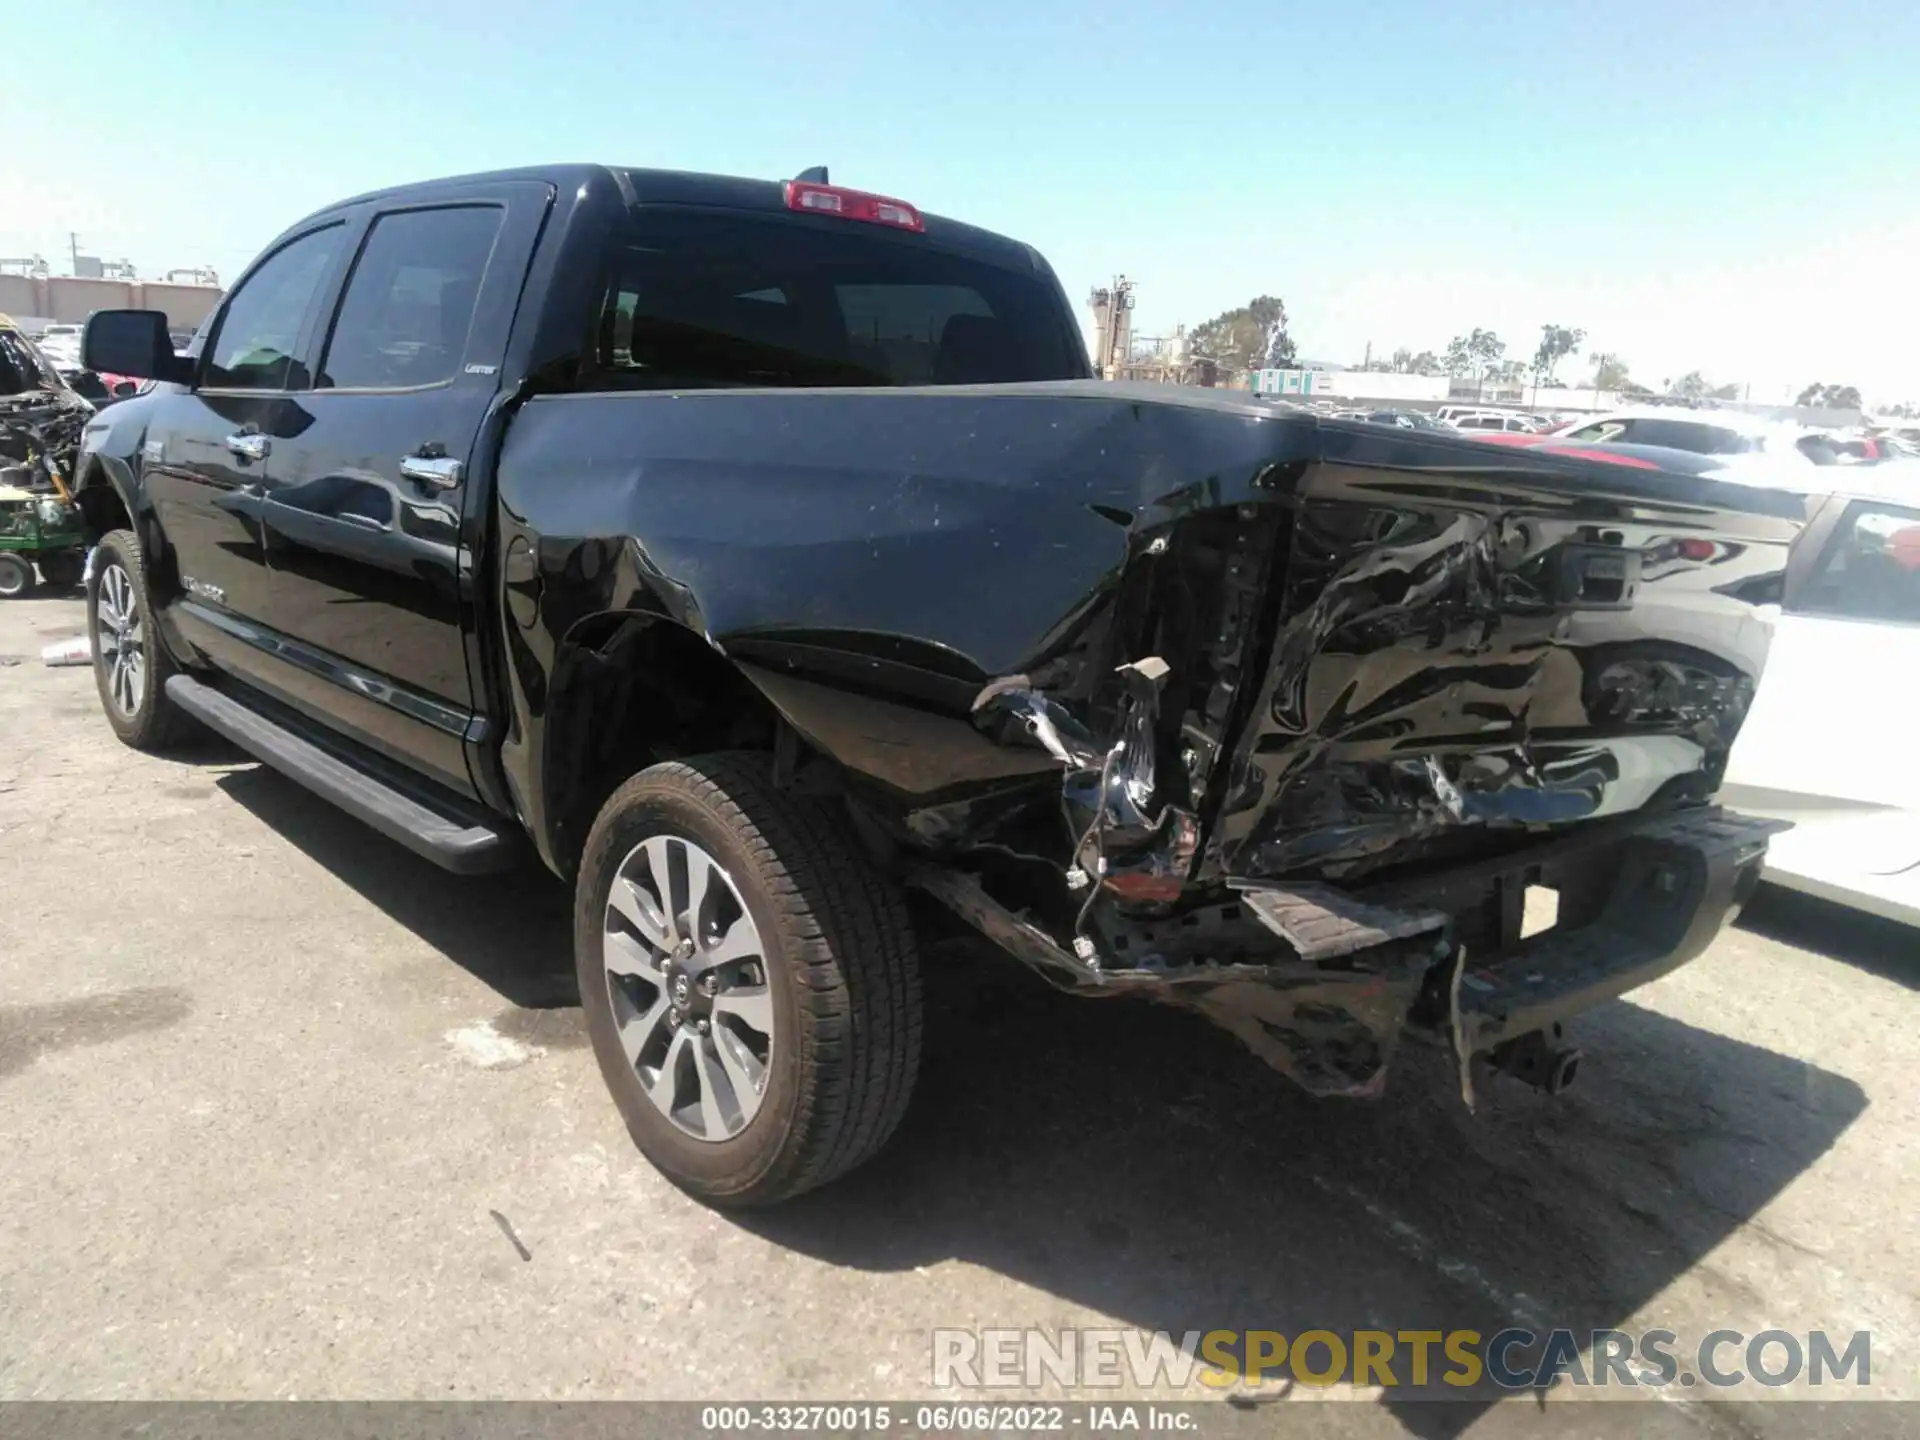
<point x="61" y="345"/>
<point x="1405" y="419"/>
<point x="1703" y="432"/>
<point x="1506" y="421"/>
<point x="1828" y="744"/>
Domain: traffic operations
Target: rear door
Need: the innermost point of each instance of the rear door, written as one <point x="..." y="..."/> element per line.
<point x="364" y="523"/>
<point x="205" y="465"/>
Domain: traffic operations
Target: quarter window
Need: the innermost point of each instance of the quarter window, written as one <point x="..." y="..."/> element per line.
<point x="408" y="306"/>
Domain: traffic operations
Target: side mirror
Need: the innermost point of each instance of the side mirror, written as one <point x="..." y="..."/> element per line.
<point x="132" y="342"/>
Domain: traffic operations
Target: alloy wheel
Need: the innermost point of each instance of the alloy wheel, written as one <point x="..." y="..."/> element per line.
<point x="687" y="979"/>
<point x="121" y="650"/>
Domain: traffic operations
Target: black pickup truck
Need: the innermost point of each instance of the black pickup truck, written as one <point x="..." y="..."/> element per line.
<point x="762" y="555"/>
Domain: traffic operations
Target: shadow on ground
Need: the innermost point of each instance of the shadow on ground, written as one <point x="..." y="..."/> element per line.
<point x="1132" y="1160"/>
<point x="511" y="931"/>
<point x="1868" y="942"/>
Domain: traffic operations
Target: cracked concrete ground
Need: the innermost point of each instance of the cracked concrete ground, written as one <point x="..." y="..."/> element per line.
<point x="286" y="1112"/>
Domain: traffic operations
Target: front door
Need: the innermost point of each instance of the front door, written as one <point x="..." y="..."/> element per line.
<point x="364" y="520"/>
<point x="207" y="468"/>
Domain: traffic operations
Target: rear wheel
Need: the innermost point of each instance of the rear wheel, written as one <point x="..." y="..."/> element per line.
<point x="130" y="664"/>
<point x="16" y="576"/>
<point x="749" y="980"/>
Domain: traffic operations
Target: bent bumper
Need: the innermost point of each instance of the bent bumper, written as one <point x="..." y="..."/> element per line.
<point x="1322" y="982"/>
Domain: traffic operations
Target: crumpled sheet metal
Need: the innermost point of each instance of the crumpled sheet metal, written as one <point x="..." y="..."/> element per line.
<point x="1331" y="1027"/>
<point x="1140" y="849"/>
<point x="1439" y="666"/>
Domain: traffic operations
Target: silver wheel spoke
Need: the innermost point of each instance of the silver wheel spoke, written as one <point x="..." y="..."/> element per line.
<point x="741" y="942"/>
<point x="635" y="1033"/>
<point x="743" y="1069"/>
<point x="626" y="956"/>
<point x="719" y="1111"/>
<point x="640" y="911"/>
<point x="699" y="871"/>
<point x="662" y="874"/>
<point x="751" y="1003"/>
<point x="661" y="1088"/>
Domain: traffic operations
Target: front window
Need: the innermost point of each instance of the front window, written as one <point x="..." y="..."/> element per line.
<point x="259" y="335"/>
<point x="712" y="299"/>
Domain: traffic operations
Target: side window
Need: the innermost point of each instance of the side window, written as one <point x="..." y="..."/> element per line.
<point x="19" y="371"/>
<point x="1688" y="435"/>
<point x="1604" y="430"/>
<point x="260" y="330"/>
<point x="1871" y="570"/>
<point x="408" y="305"/>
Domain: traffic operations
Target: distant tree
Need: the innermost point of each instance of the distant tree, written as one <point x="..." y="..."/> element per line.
<point x="1254" y="337"/>
<point x="1425" y="363"/>
<point x="1556" y="343"/>
<point x="1726" y="392"/>
<point x="1475" y="353"/>
<point x="1609" y="371"/>
<point x="1831" y="397"/>
<point x="1690" y="386"/>
<point x="1403" y="361"/>
<point x="1487" y="348"/>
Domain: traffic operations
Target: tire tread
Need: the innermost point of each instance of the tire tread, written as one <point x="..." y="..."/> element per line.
<point x="856" y="967"/>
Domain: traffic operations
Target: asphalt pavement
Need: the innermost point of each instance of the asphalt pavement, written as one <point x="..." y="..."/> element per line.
<point x="287" y="1113"/>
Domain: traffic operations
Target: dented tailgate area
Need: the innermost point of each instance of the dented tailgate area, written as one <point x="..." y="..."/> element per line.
<point x="1275" y="719"/>
<point x="1415" y="699"/>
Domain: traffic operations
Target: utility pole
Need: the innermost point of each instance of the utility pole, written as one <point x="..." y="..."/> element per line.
<point x="74" y="240"/>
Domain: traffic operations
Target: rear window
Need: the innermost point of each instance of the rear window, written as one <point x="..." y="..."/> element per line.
<point x="727" y="300"/>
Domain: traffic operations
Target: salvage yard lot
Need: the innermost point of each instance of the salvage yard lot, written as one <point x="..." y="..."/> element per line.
<point x="287" y="1112"/>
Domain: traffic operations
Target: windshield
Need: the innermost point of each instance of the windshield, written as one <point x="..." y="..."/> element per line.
<point x="20" y="368"/>
<point x="725" y="299"/>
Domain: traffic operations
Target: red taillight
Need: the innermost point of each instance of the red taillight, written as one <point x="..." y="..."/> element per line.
<point x="1696" y="549"/>
<point x="852" y="205"/>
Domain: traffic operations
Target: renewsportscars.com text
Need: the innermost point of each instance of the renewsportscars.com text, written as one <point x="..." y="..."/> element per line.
<point x="1514" y="1359"/>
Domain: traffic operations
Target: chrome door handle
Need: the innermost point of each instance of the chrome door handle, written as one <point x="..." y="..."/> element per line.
<point x="438" y="472"/>
<point x="248" y="446"/>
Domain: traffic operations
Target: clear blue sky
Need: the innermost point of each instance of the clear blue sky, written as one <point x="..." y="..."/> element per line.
<point x="1694" y="186"/>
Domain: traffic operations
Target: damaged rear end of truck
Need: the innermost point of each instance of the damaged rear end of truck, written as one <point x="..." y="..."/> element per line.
<point x="1332" y="733"/>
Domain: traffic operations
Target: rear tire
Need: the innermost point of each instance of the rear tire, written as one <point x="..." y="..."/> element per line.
<point x="130" y="663"/>
<point x="833" y="973"/>
<point x="16" y="576"/>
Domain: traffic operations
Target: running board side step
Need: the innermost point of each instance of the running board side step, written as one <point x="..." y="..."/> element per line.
<point x="463" y="845"/>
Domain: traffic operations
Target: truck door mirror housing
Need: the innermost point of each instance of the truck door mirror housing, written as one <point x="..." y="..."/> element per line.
<point x="132" y="342"/>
